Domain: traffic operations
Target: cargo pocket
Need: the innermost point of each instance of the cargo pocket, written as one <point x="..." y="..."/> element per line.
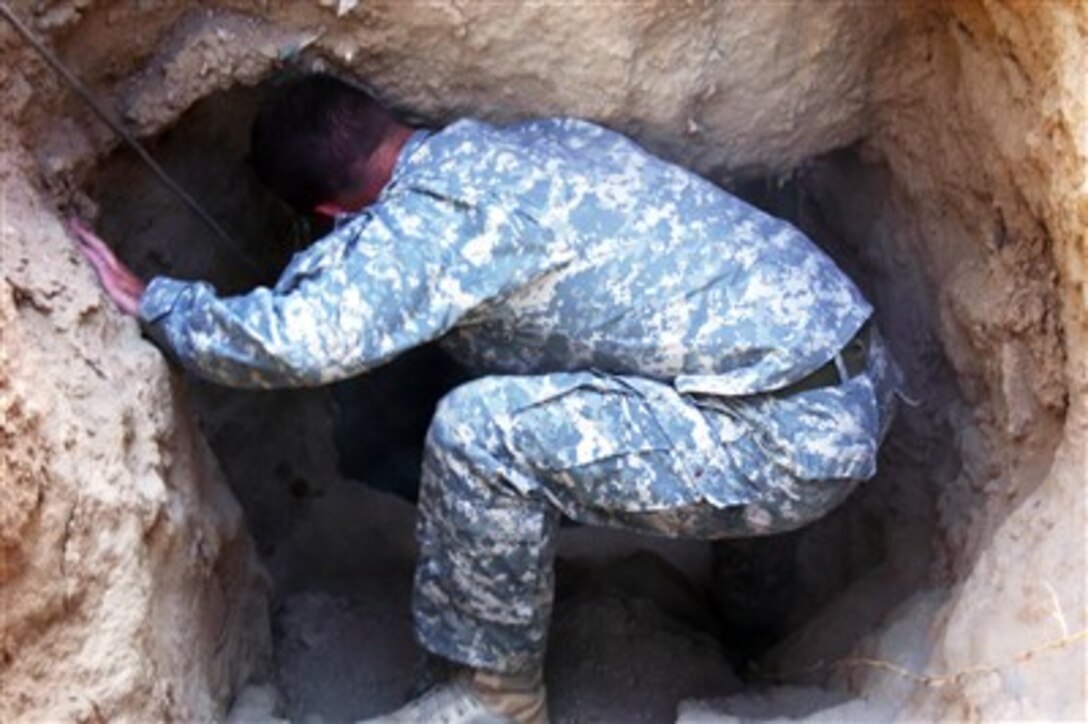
<point x="830" y="432"/>
<point x="596" y="442"/>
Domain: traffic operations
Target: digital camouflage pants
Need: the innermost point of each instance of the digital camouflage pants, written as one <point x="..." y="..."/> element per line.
<point x="507" y="457"/>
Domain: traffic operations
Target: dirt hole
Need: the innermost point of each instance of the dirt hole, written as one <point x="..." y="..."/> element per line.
<point x="640" y="624"/>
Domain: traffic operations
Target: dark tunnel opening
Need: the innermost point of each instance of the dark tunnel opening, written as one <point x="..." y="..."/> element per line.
<point x="313" y="470"/>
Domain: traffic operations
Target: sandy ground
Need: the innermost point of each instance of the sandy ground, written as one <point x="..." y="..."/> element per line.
<point x="629" y="640"/>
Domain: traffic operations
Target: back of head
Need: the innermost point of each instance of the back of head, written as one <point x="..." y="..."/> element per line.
<point x="312" y="138"/>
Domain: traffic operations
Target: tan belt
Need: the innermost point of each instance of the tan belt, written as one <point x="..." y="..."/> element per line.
<point x="850" y="361"/>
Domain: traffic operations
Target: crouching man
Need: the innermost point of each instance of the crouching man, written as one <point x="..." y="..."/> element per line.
<point x="658" y="355"/>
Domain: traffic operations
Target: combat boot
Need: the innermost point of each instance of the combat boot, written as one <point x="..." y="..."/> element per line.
<point x="476" y="696"/>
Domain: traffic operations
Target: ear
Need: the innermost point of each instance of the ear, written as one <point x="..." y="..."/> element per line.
<point x="330" y="209"/>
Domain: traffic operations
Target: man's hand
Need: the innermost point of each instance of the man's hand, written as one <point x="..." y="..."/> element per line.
<point x="121" y="285"/>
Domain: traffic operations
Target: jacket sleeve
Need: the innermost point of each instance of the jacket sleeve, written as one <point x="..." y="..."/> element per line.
<point x="401" y="274"/>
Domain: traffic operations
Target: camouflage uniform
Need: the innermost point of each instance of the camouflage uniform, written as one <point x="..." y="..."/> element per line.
<point x="637" y="322"/>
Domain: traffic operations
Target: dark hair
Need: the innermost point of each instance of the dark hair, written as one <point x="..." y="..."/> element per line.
<point x="312" y="137"/>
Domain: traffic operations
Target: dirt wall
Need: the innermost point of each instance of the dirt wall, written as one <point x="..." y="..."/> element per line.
<point x="975" y="111"/>
<point x="983" y="118"/>
<point x="129" y="587"/>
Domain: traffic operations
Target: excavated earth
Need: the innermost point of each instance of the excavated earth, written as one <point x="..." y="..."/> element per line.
<point x="171" y="550"/>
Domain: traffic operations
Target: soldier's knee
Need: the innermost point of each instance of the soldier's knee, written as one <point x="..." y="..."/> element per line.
<point x="465" y="416"/>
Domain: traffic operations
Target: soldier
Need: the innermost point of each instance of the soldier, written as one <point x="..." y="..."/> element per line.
<point x="659" y="355"/>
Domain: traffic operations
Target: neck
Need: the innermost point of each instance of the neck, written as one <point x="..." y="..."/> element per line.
<point x="384" y="159"/>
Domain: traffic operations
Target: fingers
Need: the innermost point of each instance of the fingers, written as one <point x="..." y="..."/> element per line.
<point x="77" y="227"/>
<point x="126" y="299"/>
<point x="132" y="285"/>
<point x="84" y="235"/>
<point x="100" y="266"/>
<point x="122" y="286"/>
<point x="104" y="267"/>
<point x="96" y="246"/>
<point x="106" y="277"/>
<point x="88" y="239"/>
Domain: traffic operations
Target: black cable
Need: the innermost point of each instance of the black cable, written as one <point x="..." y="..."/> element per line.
<point x="123" y="133"/>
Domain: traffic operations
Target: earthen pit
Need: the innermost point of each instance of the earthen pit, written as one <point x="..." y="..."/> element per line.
<point x="960" y="128"/>
<point x="278" y="455"/>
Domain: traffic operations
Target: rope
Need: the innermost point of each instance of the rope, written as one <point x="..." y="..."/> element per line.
<point x="123" y="133"/>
